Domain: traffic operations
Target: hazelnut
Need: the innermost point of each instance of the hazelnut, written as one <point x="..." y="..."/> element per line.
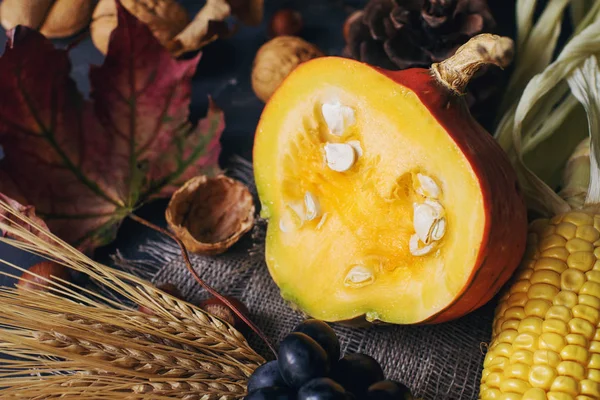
<point x="285" y="22"/>
<point x="217" y="308"/>
<point x="36" y="277"/>
<point x="168" y="288"/>
<point x="349" y="21"/>
<point x="276" y="59"/>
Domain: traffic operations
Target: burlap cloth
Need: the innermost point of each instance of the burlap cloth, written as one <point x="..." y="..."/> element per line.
<point x="436" y="362"/>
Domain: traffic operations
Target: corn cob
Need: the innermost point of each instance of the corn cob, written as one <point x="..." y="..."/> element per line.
<point x="546" y="344"/>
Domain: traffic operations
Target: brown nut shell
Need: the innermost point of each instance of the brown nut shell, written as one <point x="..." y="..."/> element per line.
<point x="217" y="308"/>
<point x="38" y="276"/>
<point x="210" y="214"/>
<point x="276" y="59"/>
<point x="165" y="18"/>
<point x="53" y="18"/>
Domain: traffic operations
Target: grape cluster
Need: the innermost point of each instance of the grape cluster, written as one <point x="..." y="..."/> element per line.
<point x="309" y="367"/>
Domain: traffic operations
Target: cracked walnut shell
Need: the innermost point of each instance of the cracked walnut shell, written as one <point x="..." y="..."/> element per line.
<point x="209" y="215"/>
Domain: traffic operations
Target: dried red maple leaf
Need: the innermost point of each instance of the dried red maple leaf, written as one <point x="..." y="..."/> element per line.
<point x="86" y="164"/>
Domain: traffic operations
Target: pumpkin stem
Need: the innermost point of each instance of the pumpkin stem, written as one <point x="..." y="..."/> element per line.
<point x="456" y="71"/>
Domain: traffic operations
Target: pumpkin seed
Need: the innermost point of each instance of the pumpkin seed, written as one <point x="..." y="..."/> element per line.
<point x="414" y="248"/>
<point x="337" y="117"/>
<point x="339" y="156"/>
<point x="311" y="203"/>
<point x="359" y="276"/>
<point x="427" y="187"/>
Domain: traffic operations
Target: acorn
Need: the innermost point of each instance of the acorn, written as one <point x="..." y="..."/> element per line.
<point x="38" y="276"/>
<point x="285" y="22"/>
<point x="218" y="309"/>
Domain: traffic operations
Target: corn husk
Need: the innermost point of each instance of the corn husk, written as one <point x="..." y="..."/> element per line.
<point x="541" y="112"/>
<point x="74" y="342"/>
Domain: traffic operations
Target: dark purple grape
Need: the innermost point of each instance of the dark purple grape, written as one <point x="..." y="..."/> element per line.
<point x="265" y="376"/>
<point x="322" y="389"/>
<point x="356" y="372"/>
<point x="271" y="393"/>
<point x="301" y="359"/>
<point x="389" y="390"/>
<point x="322" y="333"/>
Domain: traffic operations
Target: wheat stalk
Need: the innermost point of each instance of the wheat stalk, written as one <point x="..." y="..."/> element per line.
<point x="72" y="342"/>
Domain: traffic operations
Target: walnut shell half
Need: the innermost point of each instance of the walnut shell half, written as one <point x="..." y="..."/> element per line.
<point x="210" y="214"/>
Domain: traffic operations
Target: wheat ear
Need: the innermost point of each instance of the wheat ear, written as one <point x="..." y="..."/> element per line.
<point x="72" y="342"/>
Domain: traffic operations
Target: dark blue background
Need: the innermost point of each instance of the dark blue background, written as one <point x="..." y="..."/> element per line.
<point x="224" y="74"/>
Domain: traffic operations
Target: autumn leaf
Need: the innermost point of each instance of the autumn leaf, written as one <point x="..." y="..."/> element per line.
<point x="86" y="164"/>
<point x="15" y="215"/>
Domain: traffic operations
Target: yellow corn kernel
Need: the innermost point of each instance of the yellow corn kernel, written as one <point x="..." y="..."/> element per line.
<point x="507" y="336"/>
<point x="530" y="324"/>
<point x="591" y="288"/>
<point x="565" y="384"/>
<point x="593" y="276"/>
<point x="542" y="291"/>
<point x="597" y="335"/>
<point x="522" y="286"/>
<point x="520" y="371"/>
<point x="594" y="375"/>
<point x="597" y="252"/>
<point x="576" y="244"/>
<point x="559" y="396"/>
<point x="594" y="362"/>
<point x="597" y="222"/>
<point x="572" y="369"/>
<point x="581" y="260"/>
<point x="493" y="380"/>
<point x="587" y="233"/>
<point x="541" y="376"/>
<point x="511" y="324"/>
<point x="525" y="341"/>
<point x="578" y="218"/>
<point x="546" y="357"/>
<point x="566" y="298"/>
<point x="515" y="313"/>
<point x="594" y="346"/>
<point x="566" y="230"/>
<point x="510" y="396"/>
<point x="575" y="353"/>
<point x="490" y="394"/>
<point x="590" y="388"/>
<point x="552" y="241"/>
<point x="555" y="253"/>
<point x="521" y="357"/>
<point x="516" y="300"/>
<point x="497" y="364"/>
<point x="572" y="279"/>
<point x="552" y="341"/>
<point x="559" y="312"/>
<point x="546" y="276"/>
<point x="576" y="339"/>
<point x="514" y="386"/>
<point x="582" y="397"/>
<point x="588" y="313"/>
<point x="555" y="326"/>
<point x="534" y="394"/>
<point x="583" y="327"/>
<point x="537" y="308"/>
<point x="524" y="273"/>
<point x="588" y="300"/>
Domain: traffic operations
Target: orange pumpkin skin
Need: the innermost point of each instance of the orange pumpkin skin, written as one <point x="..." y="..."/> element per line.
<point x="505" y="243"/>
<point x="503" y="235"/>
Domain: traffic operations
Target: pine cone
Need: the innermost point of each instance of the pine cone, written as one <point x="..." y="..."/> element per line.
<point x="401" y="34"/>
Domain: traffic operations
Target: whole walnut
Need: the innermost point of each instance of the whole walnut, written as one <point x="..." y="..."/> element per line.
<point x="53" y="18"/>
<point x="165" y="18"/>
<point x="276" y="59"/>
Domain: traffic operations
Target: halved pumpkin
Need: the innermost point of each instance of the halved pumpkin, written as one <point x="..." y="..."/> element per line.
<point x="385" y="199"/>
